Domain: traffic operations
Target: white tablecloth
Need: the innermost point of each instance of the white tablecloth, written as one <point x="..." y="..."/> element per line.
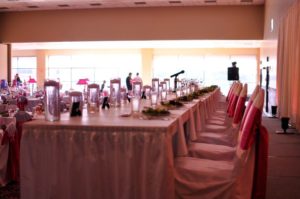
<point x="104" y="155"/>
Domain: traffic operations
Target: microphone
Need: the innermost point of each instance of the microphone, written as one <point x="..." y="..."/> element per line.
<point x="176" y="74"/>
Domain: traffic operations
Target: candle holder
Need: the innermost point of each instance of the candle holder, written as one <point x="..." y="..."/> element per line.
<point x="115" y="96"/>
<point x="93" y="92"/>
<point x="52" y="101"/>
<point x="154" y="98"/>
<point x="155" y="84"/>
<point x="137" y="88"/>
<point x="76" y="101"/>
<point x="135" y="104"/>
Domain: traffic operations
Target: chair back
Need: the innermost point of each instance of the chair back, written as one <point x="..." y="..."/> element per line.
<point x="250" y="102"/>
<point x="240" y="106"/>
<point x="234" y="99"/>
<point x="230" y="91"/>
<point x="246" y="160"/>
<point x="252" y="121"/>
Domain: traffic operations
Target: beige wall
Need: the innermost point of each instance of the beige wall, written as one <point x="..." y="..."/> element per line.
<point x="159" y="23"/>
<point x="274" y="9"/>
<point x="147" y="56"/>
<point x="3" y="61"/>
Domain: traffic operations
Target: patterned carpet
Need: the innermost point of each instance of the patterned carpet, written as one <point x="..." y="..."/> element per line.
<point x="10" y="191"/>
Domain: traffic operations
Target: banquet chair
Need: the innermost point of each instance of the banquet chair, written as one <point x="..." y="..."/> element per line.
<point x="223" y="141"/>
<point x="243" y="177"/>
<point x="229" y="136"/>
<point x="222" y="148"/>
<point x="222" y="113"/>
<point x="226" y="121"/>
<point x="223" y="103"/>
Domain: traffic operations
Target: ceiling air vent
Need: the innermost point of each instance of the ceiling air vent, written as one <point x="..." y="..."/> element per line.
<point x="246" y="1"/>
<point x="95" y="4"/>
<point x="210" y="1"/>
<point x="140" y="3"/>
<point x="63" y="5"/>
<point x="32" y="7"/>
<point x="174" y="2"/>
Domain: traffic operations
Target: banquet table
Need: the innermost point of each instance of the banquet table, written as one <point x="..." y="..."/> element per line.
<point x="105" y="155"/>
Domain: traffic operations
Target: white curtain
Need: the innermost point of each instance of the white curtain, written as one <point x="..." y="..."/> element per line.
<point x="288" y="70"/>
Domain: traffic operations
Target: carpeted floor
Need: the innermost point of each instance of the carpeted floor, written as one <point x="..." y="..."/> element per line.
<point x="10" y="191"/>
<point x="283" y="169"/>
<point x="284" y="162"/>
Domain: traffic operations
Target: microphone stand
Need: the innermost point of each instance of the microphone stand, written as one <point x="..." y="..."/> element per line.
<point x="175" y="79"/>
<point x="175" y="83"/>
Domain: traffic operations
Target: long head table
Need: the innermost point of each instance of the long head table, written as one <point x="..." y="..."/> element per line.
<point x="104" y="155"/>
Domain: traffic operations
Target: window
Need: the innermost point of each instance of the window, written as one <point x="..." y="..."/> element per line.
<point x="95" y="67"/>
<point x="25" y="67"/>
<point x="207" y="69"/>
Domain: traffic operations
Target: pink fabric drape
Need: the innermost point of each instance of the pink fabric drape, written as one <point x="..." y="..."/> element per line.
<point x="288" y="69"/>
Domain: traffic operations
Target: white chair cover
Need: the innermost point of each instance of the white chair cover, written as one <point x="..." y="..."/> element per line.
<point x="202" y="178"/>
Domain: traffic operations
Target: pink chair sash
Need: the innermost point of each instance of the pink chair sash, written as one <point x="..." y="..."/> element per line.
<point x="239" y="110"/>
<point x="253" y="96"/>
<point x="252" y="121"/>
<point x="230" y="91"/>
<point x="240" y="106"/>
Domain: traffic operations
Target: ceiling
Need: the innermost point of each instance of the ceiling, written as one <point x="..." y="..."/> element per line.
<point x="30" y="5"/>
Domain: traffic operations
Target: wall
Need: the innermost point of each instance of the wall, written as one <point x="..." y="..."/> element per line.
<point x="158" y="23"/>
<point x="3" y="61"/>
<point x="274" y="9"/>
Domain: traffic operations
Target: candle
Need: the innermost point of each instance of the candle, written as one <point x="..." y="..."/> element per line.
<point x="163" y="95"/>
<point x="154" y="98"/>
<point x="178" y="93"/>
<point x="135" y="104"/>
